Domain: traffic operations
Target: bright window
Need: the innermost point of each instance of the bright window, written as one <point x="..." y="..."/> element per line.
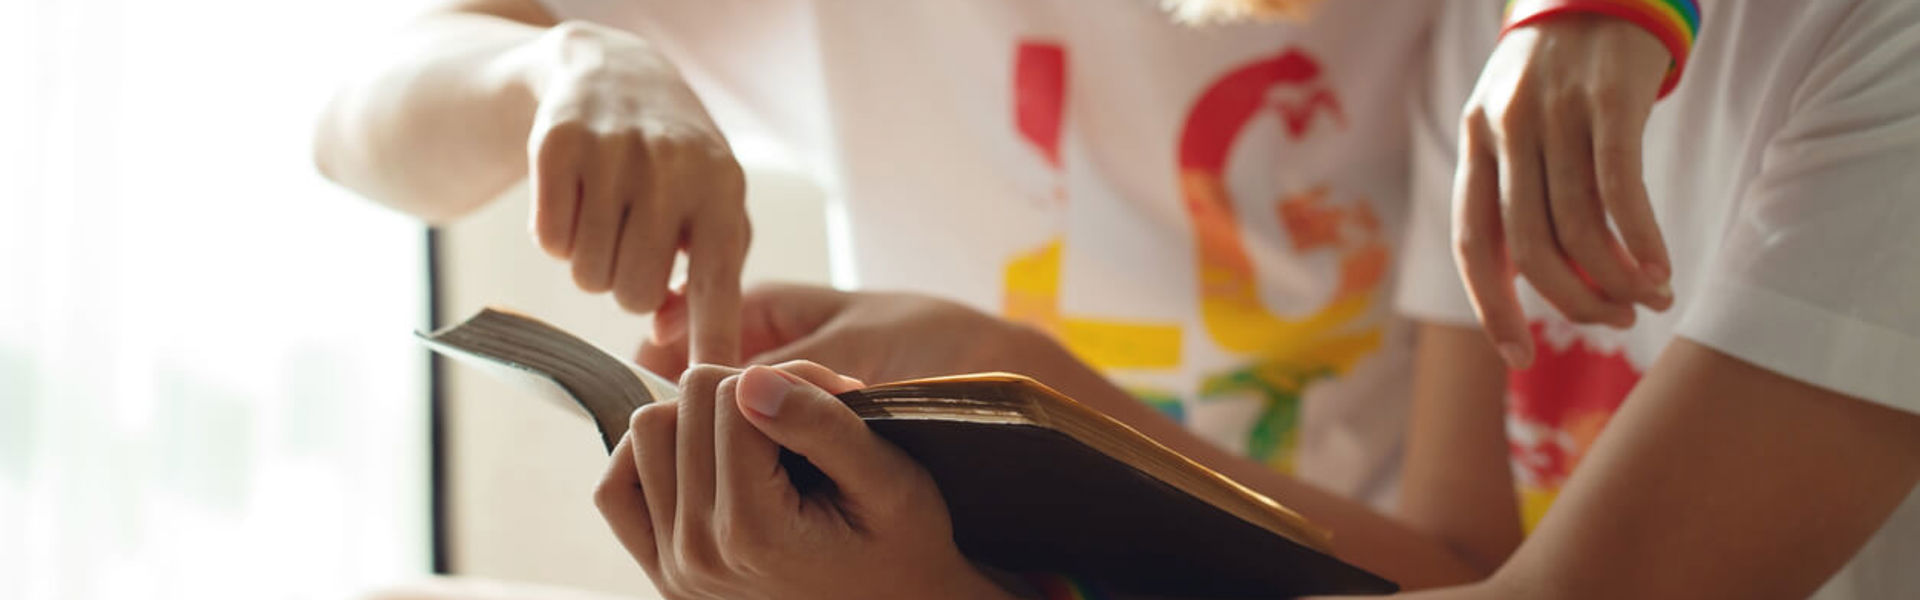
<point x="207" y="388"/>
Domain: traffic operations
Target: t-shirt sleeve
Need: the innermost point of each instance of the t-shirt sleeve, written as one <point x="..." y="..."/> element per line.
<point x="1818" y="277"/>
<point x="614" y="13"/>
<point x="750" y="61"/>
<point x="1429" y="286"/>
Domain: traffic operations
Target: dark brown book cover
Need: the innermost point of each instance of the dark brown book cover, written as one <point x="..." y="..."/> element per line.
<point x="1024" y="492"/>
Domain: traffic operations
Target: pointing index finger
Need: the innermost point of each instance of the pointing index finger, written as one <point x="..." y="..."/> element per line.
<point x="716" y="250"/>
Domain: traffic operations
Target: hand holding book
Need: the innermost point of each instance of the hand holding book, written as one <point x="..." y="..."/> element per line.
<point x="698" y="495"/>
<point x="1015" y="476"/>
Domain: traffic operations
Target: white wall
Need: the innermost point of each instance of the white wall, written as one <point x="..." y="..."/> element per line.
<point x="522" y="473"/>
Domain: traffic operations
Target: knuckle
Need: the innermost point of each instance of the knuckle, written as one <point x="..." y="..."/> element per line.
<point x="731" y="537"/>
<point x="1613" y="186"/>
<point x="1612" y="152"/>
<point x="1574" y="237"/>
<point x="699" y="564"/>
<point x="551" y="150"/>
<point x="633" y="139"/>
<point x="704" y="155"/>
<point x="1566" y="102"/>
<point x="663" y="153"/>
<point x="1472" y="118"/>
<point x="1612" y="285"/>
<point x="607" y="496"/>
<point x="1616" y="154"/>
<point x="1477" y="117"/>
<point x="1528" y="259"/>
<point x="1610" y="97"/>
<point x="673" y="585"/>
<point x="705" y="376"/>
<point x="743" y="549"/>
<point x="638" y="420"/>
<point x="727" y="173"/>
<point x="1470" y="242"/>
<point x="649" y="418"/>
<point x="642" y="298"/>
<point x="682" y="143"/>
<point x="746" y="236"/>
<point x="587" y="279"/>
<point x="1582" y="315"/>
<point x="1580" y="308"/>
<point x="1642" y="238"/>
<point x="1515" y="118"/>
<point x="624" y="148"/>
<point x="564" y="130"/>
<point x="1476" y="136"/>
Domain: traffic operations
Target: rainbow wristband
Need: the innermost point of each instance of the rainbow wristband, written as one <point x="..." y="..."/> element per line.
<point x="1055" y="586"/>
<point x="1675" y="22"/>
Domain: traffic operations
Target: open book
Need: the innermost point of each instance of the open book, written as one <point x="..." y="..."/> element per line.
<point x="1034" y="480"/>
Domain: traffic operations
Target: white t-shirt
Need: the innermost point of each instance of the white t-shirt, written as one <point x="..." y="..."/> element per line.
<point x="1785" y="173"/>
<point x="1207" y="215"/>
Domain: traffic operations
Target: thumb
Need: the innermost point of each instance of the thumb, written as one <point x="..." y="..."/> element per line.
<point x="811" y="422"/>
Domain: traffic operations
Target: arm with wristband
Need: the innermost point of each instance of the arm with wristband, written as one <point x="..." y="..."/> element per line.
<point x="1675" y="22"/>
<point x="1601" y="26"/>
<point x="1556" y="122"/>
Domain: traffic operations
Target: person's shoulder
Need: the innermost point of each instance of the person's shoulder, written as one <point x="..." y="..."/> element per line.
<point x="1875" y="44"/>
<point x="1832" y="37"/>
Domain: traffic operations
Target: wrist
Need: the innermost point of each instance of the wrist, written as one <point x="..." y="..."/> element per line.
<point x="1672" y="24"/>
<point x="522" y="72"/>
<point x="576" y="50"/>
<point x="563" y="51"/>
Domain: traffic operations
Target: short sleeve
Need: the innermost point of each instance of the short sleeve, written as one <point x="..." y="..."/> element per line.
<point x="1429" y="286"/>
<point x="613" y="13"/>
<point x="753" y="62"/>
<point x="1818" y="276"/>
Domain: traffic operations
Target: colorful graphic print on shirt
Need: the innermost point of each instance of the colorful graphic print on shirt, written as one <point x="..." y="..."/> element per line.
<point x="1558" y="406"/>
<point x="1285" y="354"/>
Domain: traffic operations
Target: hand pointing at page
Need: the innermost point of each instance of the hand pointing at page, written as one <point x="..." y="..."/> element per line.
<point x="627" y="170"/>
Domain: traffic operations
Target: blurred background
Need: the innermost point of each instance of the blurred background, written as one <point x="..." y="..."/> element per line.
<point x="208" y="387"/>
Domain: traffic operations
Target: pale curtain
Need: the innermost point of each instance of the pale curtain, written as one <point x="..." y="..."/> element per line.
<point x="207" y="388"/>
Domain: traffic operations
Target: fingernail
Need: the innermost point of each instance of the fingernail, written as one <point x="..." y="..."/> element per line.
<point x="1664" y="291"/>
<point x="852" y="381"/>
<point x="1515" y="354"/>
<point x="763" y="390"/>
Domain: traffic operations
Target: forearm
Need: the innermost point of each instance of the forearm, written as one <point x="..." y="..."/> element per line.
<point x="442" y="127"/>
<point x="1361" y="535"/>
<point x="1456" y="452"/>
<point x="1691" y="493"/>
